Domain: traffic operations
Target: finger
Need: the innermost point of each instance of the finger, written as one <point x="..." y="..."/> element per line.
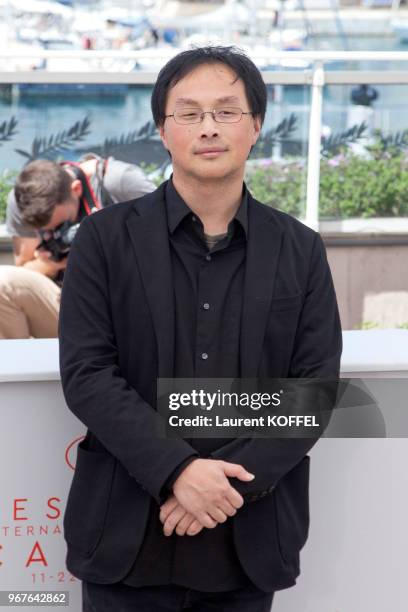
<point x="173" y="520"/>
<point x="184" y="524"/>
<point x="235" y="470"/>
<point x="205" y="519"/>
<point x="235" y="498"/>
<point x="194" y="528"/>
<point x="167" y="508"/>
<point x="228" y="508"/>
<point x="169" y="505"/>
<point x="218" y="515"/>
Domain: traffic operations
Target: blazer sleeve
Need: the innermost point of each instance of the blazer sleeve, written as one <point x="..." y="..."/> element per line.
<point x="94" y="388"/>
<point x="316" y="354"/>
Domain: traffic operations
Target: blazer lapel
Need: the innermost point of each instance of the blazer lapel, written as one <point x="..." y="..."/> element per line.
<point x="148" y="231"/>
<point x="264" y="243"/>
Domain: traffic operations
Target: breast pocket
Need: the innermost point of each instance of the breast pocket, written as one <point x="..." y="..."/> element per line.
<point x="280" y="333"/>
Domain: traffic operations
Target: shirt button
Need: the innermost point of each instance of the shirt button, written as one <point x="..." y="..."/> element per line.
<point x="206" y="306"/>
<point x="204" y="356"/>
<point x="208" y="257"/>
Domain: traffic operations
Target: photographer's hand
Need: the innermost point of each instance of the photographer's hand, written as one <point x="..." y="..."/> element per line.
<point x="44" y="265"/>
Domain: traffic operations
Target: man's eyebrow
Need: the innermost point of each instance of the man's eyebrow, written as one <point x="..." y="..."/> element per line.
<point x="184" y="101"/>
<point x="191" y="102"/>
<point x="228" y="99"/>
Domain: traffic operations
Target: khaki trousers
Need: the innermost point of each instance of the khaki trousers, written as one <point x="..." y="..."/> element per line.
<point x="29" y="304"/>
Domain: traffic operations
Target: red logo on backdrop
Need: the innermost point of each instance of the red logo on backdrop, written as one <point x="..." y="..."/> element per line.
<point x="71" y="451"/>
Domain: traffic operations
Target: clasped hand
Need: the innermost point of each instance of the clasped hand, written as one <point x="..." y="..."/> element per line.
<point x="203" y="497"/>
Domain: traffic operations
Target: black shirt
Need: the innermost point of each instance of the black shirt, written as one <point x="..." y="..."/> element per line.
<point x="208" y="288"/>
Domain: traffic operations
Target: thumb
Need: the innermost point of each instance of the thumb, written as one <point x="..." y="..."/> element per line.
<point x="236" y="470"/>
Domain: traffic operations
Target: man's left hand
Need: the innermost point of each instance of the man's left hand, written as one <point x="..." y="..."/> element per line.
<point x="175" y="517"/>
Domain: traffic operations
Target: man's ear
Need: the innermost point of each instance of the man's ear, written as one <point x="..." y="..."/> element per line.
<point x="257" y="128"/>
<point x="162" y="134"/>
<point x="76" y="188"/>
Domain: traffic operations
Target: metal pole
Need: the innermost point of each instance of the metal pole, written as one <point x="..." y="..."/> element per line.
<point x="313" y="160"/>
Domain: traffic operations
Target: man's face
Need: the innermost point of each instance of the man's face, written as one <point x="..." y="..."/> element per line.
<point x="62" y="212"/>
<point x="66" y="211"/>
<point x="209" y="150"/>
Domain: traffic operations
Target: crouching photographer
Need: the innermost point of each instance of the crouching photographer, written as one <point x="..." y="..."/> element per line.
<point x="44" y="211"/>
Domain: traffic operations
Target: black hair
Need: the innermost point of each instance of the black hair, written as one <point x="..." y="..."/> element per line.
<point x="186" y="61"/>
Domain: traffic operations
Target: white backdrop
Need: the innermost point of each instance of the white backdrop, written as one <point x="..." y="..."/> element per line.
<point x="37" y="436"/>
<point x="355" y="557"/>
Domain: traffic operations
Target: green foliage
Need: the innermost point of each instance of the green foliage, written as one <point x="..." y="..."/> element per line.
<point x="154" y="172"/>
<point x="280" y="186"/>
<point x="7" y="179"/>
<point x="350" y="186"/>
<point x="359" y="187"/>
<point x="367" y="325"/>
<point x="373" y="325"/>
<point x="388" y="145"/>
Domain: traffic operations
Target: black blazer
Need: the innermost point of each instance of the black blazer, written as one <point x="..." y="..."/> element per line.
<point x="117" y="337"/>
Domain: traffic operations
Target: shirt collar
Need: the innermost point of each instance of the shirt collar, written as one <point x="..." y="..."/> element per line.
<point x="177" y="209"/>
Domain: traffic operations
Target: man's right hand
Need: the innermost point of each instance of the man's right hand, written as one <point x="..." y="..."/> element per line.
<point x="204" y="490"/>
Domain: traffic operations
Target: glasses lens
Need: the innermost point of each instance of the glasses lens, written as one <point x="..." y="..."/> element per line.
<point x="228" y="115"/>
<point x="187" y="115"/>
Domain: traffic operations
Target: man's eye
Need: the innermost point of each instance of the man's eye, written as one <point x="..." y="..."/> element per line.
<point x="187" y="115"/>
<point x="226" y="113"/>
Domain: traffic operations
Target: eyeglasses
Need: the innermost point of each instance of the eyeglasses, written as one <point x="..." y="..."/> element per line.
<point x="188" y="116"/>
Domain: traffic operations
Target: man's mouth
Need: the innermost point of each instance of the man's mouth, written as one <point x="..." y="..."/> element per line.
<point x="210" y="152"/>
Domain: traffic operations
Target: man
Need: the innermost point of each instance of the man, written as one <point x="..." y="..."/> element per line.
<point x="46" y="196"/>
<point x="196" y="280"/>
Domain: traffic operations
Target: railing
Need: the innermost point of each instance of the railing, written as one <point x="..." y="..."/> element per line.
<point x="316" y="76"/>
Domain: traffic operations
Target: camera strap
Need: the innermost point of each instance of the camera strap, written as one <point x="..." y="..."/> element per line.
<point x="89" y="199"/>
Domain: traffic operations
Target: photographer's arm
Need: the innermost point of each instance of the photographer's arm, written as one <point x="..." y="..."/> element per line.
<point x="24" y="249"/>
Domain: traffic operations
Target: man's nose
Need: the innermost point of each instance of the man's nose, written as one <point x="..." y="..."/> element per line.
<point x="208" y="125"/>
